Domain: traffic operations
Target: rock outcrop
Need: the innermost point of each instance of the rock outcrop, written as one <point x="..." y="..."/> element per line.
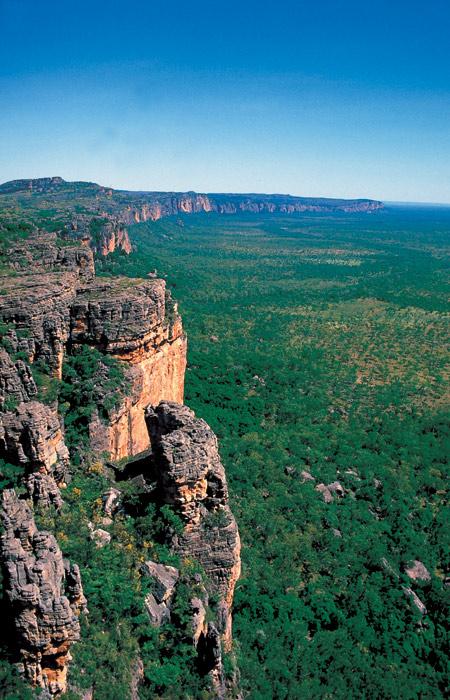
<point x="191" y="478"/>
<point x="60" y="305"/>
<point x="16" y="381"/>
<point x="164" y="579"/>
<point x="45" y="596"/>
<point x="417" y="571"/>
<point x="136" y="322"/>
<point x="32" y="436"/>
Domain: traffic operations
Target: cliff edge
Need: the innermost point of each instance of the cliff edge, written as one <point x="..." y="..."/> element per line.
<point x="110" y="352"/>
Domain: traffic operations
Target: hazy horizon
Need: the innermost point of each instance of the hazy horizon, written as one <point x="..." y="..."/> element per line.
<point x="211" y="192"/>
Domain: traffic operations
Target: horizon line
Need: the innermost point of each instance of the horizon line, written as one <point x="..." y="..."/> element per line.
<point x="268" y="194"/>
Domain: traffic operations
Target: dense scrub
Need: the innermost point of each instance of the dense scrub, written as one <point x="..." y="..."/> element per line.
<point x="319" y="344"/>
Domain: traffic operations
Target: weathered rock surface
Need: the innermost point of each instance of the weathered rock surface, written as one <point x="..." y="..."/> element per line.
<point x="54" y="304"/>
<point x="16" y="381"/>
<point x="99" y="536"/>
<point x="328" y="491"/>
<point x="43" y="252"/>
<point x="40" y="304"/>
<point x="421" y="607"/>
<point x="44" y="593"/>
<point x="417" y="571"/>
<point x="43" y="490"/>
<point x="136" y="322"/>
<point x="32" y="436"/>
<point x="306" y="476"/>
<point x="192" y="479"/>
<point x="111" y="502"/>
<point x="164" y="579"/>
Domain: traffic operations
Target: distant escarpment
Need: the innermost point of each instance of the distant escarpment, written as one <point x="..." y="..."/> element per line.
<point x="154" y="206"/>
<point x="92" y="376"/>
<point x="98" y="216"/>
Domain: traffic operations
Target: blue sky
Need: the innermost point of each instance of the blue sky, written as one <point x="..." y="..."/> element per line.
<point x="333" y="98"/>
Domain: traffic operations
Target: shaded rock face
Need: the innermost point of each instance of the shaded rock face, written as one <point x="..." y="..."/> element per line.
<point x="45" y="596"/>
<point x="103" y="234"/>
<point x="32" y="436"/>
<point x="164" y="579"/>
<point x="191" y="478"/>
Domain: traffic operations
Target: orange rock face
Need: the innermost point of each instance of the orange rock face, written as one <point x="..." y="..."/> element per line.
<point x="158" y="376"/>
<point x="113" y="238"/>
<point x="136" y="322"/>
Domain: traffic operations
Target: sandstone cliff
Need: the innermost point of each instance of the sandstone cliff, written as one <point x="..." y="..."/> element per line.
<point x="51" y="306"/>
<point x="104" y="233"/>
<point x="45" y="595"/>
<point x="136" y="322"/>
<point x="190" y="477"/>
<point x="59" y="305"/>
<point x="159" y="205"/>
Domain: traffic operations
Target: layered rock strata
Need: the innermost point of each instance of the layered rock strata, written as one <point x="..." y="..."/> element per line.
<point x="45" y="595"/>
<point x="31" y="436"/>
<point x="60" y="305"/>
<point x="191" y="478"/>
<point x="136" y="322"/>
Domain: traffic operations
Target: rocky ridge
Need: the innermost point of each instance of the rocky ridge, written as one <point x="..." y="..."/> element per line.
<point x="52" y="305"/>
<point x="58" y="305"/>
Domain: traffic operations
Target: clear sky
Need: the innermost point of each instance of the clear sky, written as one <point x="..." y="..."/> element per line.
<point x="326" y="97"/>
